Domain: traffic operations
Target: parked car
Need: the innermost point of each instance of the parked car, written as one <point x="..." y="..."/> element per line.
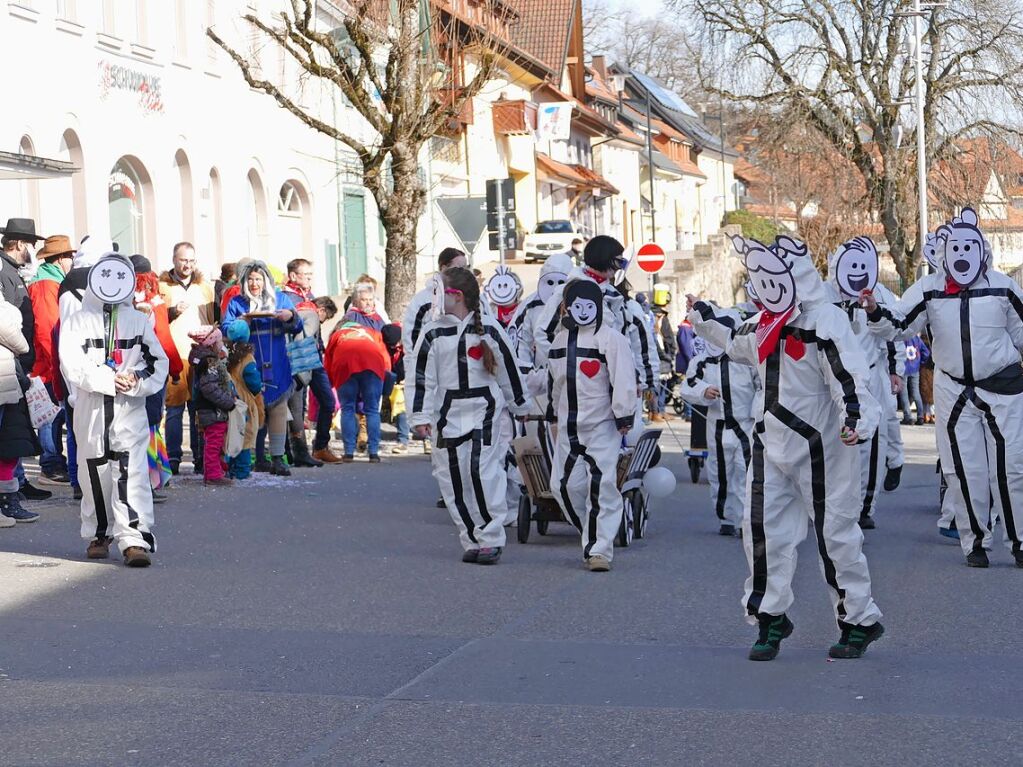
<point x="549" y="238"/>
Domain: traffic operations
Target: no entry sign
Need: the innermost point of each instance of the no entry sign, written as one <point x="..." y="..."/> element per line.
<point x="650" y="257"/>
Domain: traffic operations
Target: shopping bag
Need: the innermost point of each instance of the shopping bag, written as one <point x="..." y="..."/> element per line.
<point x="304" y="354"/>
<point x="236" y="420"/>
<point x="41" y="407"/>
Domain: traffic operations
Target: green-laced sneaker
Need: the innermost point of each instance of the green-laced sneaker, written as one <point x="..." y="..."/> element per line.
<point x="773" y="629"/>
<point x="855" y="640"/>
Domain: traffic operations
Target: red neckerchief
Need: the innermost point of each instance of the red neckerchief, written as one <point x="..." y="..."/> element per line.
<point x="951" y="287"/>
<point x="595" y="276"/>
<point x="505" y="313"/>
<point x="293" y="288"/>
<point x="769" y="331"/>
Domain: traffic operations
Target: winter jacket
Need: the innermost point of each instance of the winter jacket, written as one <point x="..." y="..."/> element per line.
<point x="12" y="345"/>
<point x="352" y="349"/>
<point x="371" y="320"/>
<point x="150" y="301"/>
<point x="198" y="294"/>
<point x="14" y="292"/>
<point x="270" y="339"/>
<point x="43" y="294"/>
<point x="917" y="353"/>
<point x="212" y="393"/>
<point x="248" y="384"/>
<point x="685" y="351"/>
<point x="667" y="349"/>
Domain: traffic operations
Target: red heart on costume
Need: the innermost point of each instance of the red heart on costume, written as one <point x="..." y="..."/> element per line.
<point x="795" y="348"/>
<point x="589" y="368"/>
<point x="476" y="352"/>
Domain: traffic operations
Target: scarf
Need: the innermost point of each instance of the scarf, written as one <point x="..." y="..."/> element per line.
<point x="952" y="287"/>
<point x="769" y="331"/>
<point x="505" y="314"/>
<point x="49" y="271"/>
<point x="596" y="277"/>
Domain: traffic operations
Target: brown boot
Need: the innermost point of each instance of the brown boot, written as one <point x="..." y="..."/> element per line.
<point x="99" y="548"/>
<point x="326" y="455"/>
<point x="136" y="556"/>
<point x="362" y="441"/>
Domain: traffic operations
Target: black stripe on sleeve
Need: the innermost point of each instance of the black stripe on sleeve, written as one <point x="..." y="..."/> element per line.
<point x="844" y="377"/>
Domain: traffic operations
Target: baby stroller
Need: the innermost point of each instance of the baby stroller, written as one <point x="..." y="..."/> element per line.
<point x="671" y="396"/>
<point x="696" y="455"/>
<point x="537" y="503"/>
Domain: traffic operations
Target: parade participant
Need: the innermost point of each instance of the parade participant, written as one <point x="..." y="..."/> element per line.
<point x="604" y="258"/>
<point x="852" y="268"/>
<point x="214" y="397"/>
<point x="975" y="314"/>
<point x="57" y="255"/>
<point x="248" y="383"/>
<point x="17" y="437"/>
<point x="592" y="400"/>
<point x="553" y="274"/>
<point x="464" y="374"/>
<point x="271" y="317"/>
<point x="503" y="290"/>
<point x="728" y="390"/>
<point x="418" y="312"/>
<point x="112" y="360"/>
<point x="816" y="407"/>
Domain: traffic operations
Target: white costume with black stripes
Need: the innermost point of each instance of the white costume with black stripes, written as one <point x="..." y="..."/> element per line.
<point x="976" y="320"/>
<point x="462" y="402"/>
<point x="814" y="386"/>
<point x="592" y="395"/>
<point x="111" y="428"/>
<point x="417" y="315"/>
<point x="730" y="421"/>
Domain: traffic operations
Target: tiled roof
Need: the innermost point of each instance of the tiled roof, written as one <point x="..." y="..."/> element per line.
<point x="542" y="29"/>
<point x="578" y="176"/>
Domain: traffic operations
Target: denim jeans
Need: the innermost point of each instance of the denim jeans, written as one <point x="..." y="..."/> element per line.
<point x="913" y="385"/>
<point x="320" y="387"/>
<point x="52" y="441"/>
<point x="367" y="385"/>
<point x="72" y="444"/>
<point x="174" y="431"/>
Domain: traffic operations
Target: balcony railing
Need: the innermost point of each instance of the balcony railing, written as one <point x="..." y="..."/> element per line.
<point x="514" y="118"/>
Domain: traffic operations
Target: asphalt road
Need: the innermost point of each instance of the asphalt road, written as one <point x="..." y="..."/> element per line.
<point x="328" y="620"/>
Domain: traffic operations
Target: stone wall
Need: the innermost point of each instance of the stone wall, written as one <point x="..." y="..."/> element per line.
<point x="710" y="270"/>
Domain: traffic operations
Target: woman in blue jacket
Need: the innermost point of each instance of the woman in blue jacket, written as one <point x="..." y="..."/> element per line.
<point x="272" y="318"/>
<point x="917" y="353"/>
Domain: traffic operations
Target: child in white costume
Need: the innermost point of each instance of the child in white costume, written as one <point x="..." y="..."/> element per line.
<point x="465" y="375"/>
<point x="593" y="399"/>
<point x="112" y="360"/>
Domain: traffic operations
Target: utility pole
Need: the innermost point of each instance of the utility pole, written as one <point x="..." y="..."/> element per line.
<point x="650" y="163"/>
<point x="921" y="156"/>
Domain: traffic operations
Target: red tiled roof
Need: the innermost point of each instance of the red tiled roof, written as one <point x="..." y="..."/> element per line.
<point x="542" y="29"/>
<point x="595" y="179"/>
<point x="573" y="175"/>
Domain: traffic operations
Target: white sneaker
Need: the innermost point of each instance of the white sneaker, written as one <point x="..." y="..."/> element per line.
<point x="6" y="521"/>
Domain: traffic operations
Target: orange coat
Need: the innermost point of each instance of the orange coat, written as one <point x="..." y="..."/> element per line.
<point x="43" y="294"/>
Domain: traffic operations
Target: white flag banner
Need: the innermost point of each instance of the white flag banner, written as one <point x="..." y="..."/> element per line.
<point x="554" y="121"/>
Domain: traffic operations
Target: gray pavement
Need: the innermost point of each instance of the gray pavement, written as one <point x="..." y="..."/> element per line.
<point x="328" y="620"/>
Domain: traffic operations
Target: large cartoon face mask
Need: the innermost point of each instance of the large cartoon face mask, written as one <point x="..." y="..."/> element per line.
<point x="770" y="274"/>
<point x="855" y="267"/>
<point x="583" y="303"/>
<point x="112" y="279"/>
<point x="553" y="274"/>
<point x="931" y="250"/>
<point x="504" y="288"/>
<point x="963" y="249"/>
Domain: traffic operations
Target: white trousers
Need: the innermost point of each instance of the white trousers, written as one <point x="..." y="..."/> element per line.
<point x="874" y="451"/>
<point x="473" y="482"/>
<point x="727" y="462"/>
<point x="584" y="480"/>
<point x="781" y="500"/>
<point x="896" y="454"/>
<point x="979" y="441"/>
<point x="504" y="433"/>
<point x="117" y="499"/>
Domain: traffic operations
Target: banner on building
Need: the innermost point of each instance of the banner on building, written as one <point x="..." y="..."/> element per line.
<point x="554" y="121"/>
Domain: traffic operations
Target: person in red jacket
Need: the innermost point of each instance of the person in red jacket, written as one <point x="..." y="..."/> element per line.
<point x="56" y="255"/>
<point x="357" y="363"/>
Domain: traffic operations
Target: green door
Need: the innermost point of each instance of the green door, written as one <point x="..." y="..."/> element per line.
<point x="355" y="235"/>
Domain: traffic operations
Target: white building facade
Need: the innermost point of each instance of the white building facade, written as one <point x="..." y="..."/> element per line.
<point x="171" y="144"/>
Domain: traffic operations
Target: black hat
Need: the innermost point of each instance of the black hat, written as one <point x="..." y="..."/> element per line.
<point x="21" y="229"/>
<point x="141" y="264"/>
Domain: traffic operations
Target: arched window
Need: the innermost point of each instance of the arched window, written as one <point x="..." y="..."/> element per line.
<point x="294" y="224"/>
<point x="71" y="150"/>
<point x="187" y="206"/>
<point x="30" y="189"/>
<point x="131" y="205"/>
<point x="258" y="233"/>
<point x="216" y="208"/>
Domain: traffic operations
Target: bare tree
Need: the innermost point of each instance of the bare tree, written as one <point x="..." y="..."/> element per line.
<point x="405" y="77"/>
<point x="844" y="65"/>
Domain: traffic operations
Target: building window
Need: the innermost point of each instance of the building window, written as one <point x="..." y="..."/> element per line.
<point x="110" y="17"/>
<point x="127" y="207"/>
<point x="211" y="47"/>
<point x="289" y="203"/>
<point x="67" y="10"/>
<point x="180" y="30"/>
<point x="141" y="22"/>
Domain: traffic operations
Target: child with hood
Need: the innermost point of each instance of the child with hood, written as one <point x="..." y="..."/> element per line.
<point x="213" y="396"/>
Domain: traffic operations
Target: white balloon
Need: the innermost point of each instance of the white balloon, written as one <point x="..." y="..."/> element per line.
<point x="659" y="482"/>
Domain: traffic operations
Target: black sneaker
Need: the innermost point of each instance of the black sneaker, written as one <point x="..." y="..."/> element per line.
<point x="773" y="629"/>
<point x="892" y="478"/>
<point x="262" y="466"/>
<point x="726" y="529"/>
<point x="175" y="466"/>
<point x="867" y="522"/>
<point x="1017" y="554"/>
<point x="441" y="504"/>
<point x="11" y="508"/>
<point x="374" y="459"/>
<point x="488" y="556"/>
<point x="279" y="467"/>
<point x="30" y="492"/>
<point x="855" y="640"/>
<point x="76" y="492"/>
<point x="977" y="558"/>
<point x="471" y="555"/>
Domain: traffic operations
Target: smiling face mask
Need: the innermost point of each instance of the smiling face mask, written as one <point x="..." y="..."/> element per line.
<point x="770" y="275"/>
<point x="930" y="250"/>
<point x="963" y="249"/>
<point x="855" y="266"/>
<point x="112" y="279"/>
<point x="504" y="288"/>
<point x="584" y="304"/>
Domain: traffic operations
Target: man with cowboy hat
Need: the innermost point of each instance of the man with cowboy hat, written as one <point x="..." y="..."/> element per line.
<point x="56" y="255"/>
<point x="16" y="241"/>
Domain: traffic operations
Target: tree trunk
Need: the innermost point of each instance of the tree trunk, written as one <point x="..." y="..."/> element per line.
<point x="400" y="219"/>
